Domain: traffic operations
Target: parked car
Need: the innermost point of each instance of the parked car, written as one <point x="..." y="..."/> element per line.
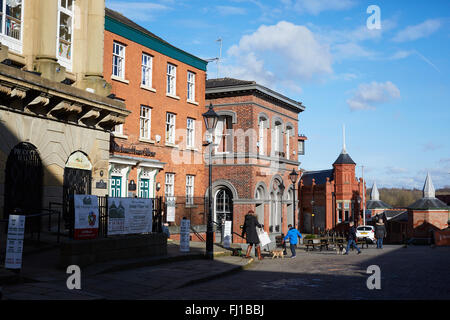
<point x="367" y="232"/>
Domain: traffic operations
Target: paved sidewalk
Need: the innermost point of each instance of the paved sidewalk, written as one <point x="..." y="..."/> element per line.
<point x="41" y="279"/>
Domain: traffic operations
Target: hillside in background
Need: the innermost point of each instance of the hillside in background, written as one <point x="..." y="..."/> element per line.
<point x="397" y="197"/>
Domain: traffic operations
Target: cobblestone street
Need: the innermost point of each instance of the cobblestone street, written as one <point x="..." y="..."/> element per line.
<point x="416" y="272"/>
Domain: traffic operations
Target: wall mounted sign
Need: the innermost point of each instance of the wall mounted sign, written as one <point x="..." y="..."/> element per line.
<point x="101" y="185"/>
<point x="144" y="152"/>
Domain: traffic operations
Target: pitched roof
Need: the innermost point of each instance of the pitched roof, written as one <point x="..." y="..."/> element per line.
<point x="377" y="204"/>
<point x="344" y="158"/>
<point x="319" y="176"/>
<point x="226" y="82"/>
<point x="428" y="203"/>
<point x="231" y="86"/>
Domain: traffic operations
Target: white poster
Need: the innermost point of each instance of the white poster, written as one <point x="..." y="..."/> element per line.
<point x="129" y="215"/>
<point x="170" y="205"/>
<point x="227" y="234"/>
<point x="185" y="234"/>
<point x="86" y="216"/>
<point x="14" y="243"/>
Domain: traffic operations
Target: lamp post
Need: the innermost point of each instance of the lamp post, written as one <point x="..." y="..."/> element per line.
<point x="293" y="177"/>
<point x="358" y="201"/>
<point x="211" y="118"/>
<point x="312" y="215"/>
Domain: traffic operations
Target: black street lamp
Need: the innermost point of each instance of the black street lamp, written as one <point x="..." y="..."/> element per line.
<point x="293" y="177"/>
<point x="211" y="118"/>
<point x="312" y="215"/>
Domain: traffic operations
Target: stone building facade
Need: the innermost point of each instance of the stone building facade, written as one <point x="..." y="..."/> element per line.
<point x="256" y="145"/>
<point x="55" y="115"/>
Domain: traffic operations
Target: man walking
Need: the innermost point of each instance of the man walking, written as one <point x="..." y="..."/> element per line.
<point x="380" y="233"/>
<point x="352" y="238"/>
<point x="293" y="235"/>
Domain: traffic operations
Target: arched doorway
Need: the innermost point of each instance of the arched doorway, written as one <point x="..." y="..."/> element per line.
<point x="276" y="203"/>
<point x="77" y="180"/>
<point x="260" y="197"/>
<point x="223" y="210"/>
<point x="23" y="180"/>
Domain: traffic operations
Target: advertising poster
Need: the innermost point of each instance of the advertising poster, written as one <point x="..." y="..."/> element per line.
<point x="170" y="205"/>
<point x="185" y="234"/>
<point x="14" y="242"/>
<point x="86" y="216"/>
<point x="227" y="234"/>
<point x="129" y="216"/>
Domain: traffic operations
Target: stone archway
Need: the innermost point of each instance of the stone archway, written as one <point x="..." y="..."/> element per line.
<point x="23" y="180"/>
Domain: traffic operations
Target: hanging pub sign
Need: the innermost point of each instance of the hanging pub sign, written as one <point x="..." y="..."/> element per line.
<point x="86" y="216"/>
<point x="129" y="216"/>
<point x="14" y="242"/>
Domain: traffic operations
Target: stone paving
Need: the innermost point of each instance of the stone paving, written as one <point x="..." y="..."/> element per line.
<point x="416" y="272"/>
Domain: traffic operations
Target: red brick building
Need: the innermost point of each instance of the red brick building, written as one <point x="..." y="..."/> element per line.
<point x="427" y="214"/>
<point x="160" y="143"/>
<point x="331" y="198"/>
<point x="256" y="147"/>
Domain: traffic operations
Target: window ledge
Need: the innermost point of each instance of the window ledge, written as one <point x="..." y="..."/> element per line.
<point x="192" y="102"/>
<point x="171" y="145"/>
<point x="119" y="79"/>
<point x="147" y="140"/>
<point x="119" y="135"/>
<point x="172" y="96"/>
<point x="148" y="88"/>
<point x="191" y="149"/>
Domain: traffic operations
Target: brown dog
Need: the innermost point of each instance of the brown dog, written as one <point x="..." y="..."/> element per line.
<point x="277" y="253"/>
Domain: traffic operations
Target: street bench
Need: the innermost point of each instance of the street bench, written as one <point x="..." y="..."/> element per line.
<point x="312" y="243"/>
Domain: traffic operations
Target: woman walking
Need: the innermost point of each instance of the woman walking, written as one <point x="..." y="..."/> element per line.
<point x="249" y="229"/>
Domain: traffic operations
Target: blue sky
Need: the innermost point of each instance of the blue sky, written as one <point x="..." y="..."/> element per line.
<point x="389" y="86"/>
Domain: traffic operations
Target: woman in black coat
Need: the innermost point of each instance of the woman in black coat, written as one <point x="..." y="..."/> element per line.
<point x="249" y="229"/>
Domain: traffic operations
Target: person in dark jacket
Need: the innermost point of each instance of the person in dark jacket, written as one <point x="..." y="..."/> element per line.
<point x="249" y="229"/>
<point x="380" y="233"/>
<point x="352" y="238"/>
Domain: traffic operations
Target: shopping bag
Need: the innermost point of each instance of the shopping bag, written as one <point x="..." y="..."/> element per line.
<point x="263" y="237"/>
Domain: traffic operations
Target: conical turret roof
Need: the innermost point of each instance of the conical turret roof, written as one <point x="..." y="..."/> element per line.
<point x="429" y="200"/>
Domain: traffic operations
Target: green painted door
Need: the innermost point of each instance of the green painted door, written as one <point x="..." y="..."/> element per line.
<point x="116" y="187"/>
<point x="144" y="188"/>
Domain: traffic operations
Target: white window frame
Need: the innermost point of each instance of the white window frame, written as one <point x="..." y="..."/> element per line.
<point x="288" y="144"/>
<point x="191" y="86"/>
<point x="169" y="185"/>
<point x="145" y="126"/>
<point x="261" y="139"/>
<point x="170" y="127"/>
<point x="301" y="147"/>
<point x="190" y="133"/>
<point x="171" y="79"/>
<point x="12" y="43"/>
<point x="223" y="135"/>
<point x="190" y="182"/>
<point x="147" y="71"/>
<point x="118" y="129"/>
<point x="121" y="59"/>
<point x="67" y="63"/>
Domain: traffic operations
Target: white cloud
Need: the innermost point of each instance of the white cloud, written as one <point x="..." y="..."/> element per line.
<point x="421" y="30"/>
<point x="315" y="7"/>
<point x="280" y="52"/>
<point x="137" y="11"/>
<point x="229" y="10"/>
<point x="370" y="94"/>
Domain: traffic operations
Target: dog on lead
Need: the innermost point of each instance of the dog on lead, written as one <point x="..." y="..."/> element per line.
<point x="278" y="253"/>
